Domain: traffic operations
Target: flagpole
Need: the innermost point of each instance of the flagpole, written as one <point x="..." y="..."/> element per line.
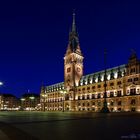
<point x="105" y="108"/>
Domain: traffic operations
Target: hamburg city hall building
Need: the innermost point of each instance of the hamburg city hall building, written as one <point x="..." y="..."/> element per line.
<point x="81" y="92"/>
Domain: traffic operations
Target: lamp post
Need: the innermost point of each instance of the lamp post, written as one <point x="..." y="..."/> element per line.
<point x="45" y="95"/>
<point x="2" y="107"/>
<point x="105" y="108"/>
<point x="44" y="100"/>
<point x="31" y="102"/>
<point x="22" y="102"/>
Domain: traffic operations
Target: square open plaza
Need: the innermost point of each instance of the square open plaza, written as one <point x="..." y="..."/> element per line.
<point x="25" y="125"/>
<point x="71" y="109"/>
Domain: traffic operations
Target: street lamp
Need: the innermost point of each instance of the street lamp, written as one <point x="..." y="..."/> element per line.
<point x="22" y="102"/>
<point x="31" y="99"/>
<point x="1" y="83"/>
<point x="44" y="100"/>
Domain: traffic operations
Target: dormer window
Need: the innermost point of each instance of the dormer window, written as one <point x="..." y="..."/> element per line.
<point x="119" y="73"/>
<point x="112" y="75"/>
<point x="93" y="79"/>
<point x="99" y="78"/>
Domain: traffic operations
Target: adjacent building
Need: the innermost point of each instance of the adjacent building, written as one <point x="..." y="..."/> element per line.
<point x="9" y="102"/>
<point x="30" y="101"/>
<point x="81" y="92"/>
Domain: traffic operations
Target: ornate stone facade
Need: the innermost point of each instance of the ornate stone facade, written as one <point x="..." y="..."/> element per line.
<point x="86" y="93"/>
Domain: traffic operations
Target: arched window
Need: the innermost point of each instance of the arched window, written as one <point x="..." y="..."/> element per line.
<point x="83" y="97"/>
<point x="133" y="91"/>
<point x="99" y="78"/>
<point x="112" y="75"/>
<point x="99" y="95"/>
<point x="133" y="102"/>
<point x="87" y="96"/>
<point x="93" y="96"/>
<point x="119" y="73"/>
<point x="119" y="102"/>
<point x="112" y="103"/>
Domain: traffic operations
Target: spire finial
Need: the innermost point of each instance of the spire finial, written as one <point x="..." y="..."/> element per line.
<point x="73" y="22"/>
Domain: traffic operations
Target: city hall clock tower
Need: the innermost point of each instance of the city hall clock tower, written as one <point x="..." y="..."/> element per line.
<point x="73" y="60"/>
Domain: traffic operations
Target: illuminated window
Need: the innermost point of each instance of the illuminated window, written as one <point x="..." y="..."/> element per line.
<point x="138" y="91"/>
<point x="132" y="70"/>
<point x="68" y="70"/>
<point x="83" y="89"/>
<point x="128" y="92"/>
<point x="133" y="91"/>
<point x="93" y="96"/>
<point x="79" y="104"/>
<point x="112" y="103"/>
<point x="136" y="79"/>
<point x="78" y="97"/>
<point x="119" y="103"/>
<point x="119" y="83"/>
<point x="133" y="102"/>
<point x="129" y="80"/>
<point x="99" y="95"/>
<point x="111" y="84"/>
<point x="93" y="103"/>
<point x="99" y="103"/>
<point x="111" y="94"/>
<point x="119" y="93"/>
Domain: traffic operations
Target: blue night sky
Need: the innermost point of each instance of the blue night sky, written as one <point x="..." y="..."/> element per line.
<point x="34" y="38"/>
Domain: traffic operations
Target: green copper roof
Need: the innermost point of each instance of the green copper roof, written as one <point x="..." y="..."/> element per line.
<point x="88" y="79"/>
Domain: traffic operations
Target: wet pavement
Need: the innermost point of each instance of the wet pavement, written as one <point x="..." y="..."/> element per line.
<point x="69" y="126"/>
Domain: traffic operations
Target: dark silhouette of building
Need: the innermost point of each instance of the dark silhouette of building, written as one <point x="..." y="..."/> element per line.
<point x="9" y="102"/>
<point x="30" y="101"/>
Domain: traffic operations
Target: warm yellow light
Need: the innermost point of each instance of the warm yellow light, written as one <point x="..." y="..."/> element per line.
<point x="32" y="98"/>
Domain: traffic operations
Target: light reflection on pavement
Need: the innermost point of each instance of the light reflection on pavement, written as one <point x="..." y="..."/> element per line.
<point x="70" y="126"/>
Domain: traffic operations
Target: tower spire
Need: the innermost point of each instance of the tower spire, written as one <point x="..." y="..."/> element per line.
<point x="73" y="45"/>
<point x="73" y="22"/>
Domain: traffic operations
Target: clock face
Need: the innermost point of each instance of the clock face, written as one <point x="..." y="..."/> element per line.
<point x="78" y="69"/>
